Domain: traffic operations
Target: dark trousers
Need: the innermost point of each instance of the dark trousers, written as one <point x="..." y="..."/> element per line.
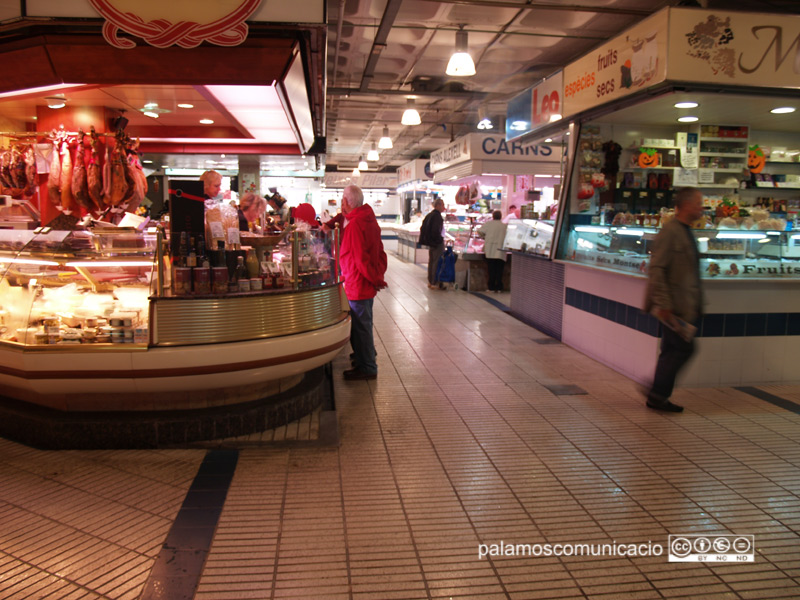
<point x="675" y="353"/>
<point x="495" y="266"/>
<point x="361" y="336"/>
<point x="434" y="253"/>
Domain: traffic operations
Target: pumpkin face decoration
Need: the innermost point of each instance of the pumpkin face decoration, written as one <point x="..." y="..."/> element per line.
<point x="648" y="158"/>
<point x="756" y="159"/>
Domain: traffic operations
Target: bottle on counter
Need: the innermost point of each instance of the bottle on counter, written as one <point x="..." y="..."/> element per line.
<point x="252" y="264"/>
<point x="191" y="256"/>
<point x="241" y="276"/>
<point x="183" y="250"/>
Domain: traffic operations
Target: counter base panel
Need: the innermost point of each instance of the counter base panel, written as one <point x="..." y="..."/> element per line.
<point x="537" y="292"/>
<point x="47" y="428"/>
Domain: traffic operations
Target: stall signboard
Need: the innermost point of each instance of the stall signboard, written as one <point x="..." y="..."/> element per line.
<point x="364" y="181"/>
<point x="491" y="147"/>
<point x="742" y="49"/>
<point x="631" y="62"/>
<point x="417" y="170"/>
<point x="536" y="107"/>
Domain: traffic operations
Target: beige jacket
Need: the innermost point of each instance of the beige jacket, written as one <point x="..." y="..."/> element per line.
<point x="674" y="275"/>
<point x="494" y="234"/>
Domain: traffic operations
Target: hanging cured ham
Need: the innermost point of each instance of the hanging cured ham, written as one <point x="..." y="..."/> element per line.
<point x="80" y="185"/>
<point x="5" y="172"/>
<point x="94" y="177"/>
<point x="30" y="171"/>
<point x="17" y="168"/>
<point x="67" y="199"/>
<point x="54" y="179"/>
<point x="118" y="184"/>
<point x="137" y="175"/>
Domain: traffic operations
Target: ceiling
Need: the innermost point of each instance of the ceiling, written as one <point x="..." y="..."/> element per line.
<point x="382" y="51"/>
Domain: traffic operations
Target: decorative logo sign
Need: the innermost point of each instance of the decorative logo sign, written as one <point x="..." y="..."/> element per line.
<point x="167" y="24"/>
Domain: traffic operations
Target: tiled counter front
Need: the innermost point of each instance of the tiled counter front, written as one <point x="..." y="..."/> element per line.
<point x="750" y="332"/>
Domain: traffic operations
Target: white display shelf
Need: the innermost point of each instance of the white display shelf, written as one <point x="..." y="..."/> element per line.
<point x="725" y="154"/>
<point x="724" y="139"/>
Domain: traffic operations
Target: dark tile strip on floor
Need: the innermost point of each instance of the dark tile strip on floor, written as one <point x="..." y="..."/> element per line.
<point x="771" y="398"/>
<point x="177" y="569"/>
<point x="492" y="301"/>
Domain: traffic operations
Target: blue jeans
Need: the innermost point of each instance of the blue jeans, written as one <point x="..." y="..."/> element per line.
<point x="361" y="337"/>
<point x="675" y="353"/>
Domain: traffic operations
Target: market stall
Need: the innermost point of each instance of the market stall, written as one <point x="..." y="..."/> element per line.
<point x="737" y="144"/>
<point x="484" y="171"/>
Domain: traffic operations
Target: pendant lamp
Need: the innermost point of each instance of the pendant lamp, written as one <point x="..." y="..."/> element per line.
<point x="461" y="64"/>
<point x="484" y="122"/>
<point x="411" y="116"/>
<point x="373" y="155"/>
<point x="356" y="172"/>
<point x="362" y="164"/>
<point x="385" y="143"/>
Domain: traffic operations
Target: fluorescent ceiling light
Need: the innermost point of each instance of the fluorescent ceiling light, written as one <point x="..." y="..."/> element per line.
<point x="686" y="105"/>
<point x="782" y="110"/>
<point x="461" y="63"/>
<point x="206" y="121"/>
<point x="385" y="143"/>
<point x="411" y="116"/>
<point x="41" y="90"/>
<point x="185" y="105"/>
<point x="688" y="119"/>
<point x="258" y="109"/>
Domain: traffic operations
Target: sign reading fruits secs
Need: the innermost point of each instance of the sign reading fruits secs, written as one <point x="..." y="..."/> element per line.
<point x="185" y="23"/>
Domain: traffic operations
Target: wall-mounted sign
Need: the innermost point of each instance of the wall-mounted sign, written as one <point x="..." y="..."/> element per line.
<point x="632" y="61"/>
<point x="491" y="147"/>
<point x="364" y="181"/>
<point x="535" y="107"/>
<point x="417" y="170"/>
<point x="734" y="48"/>
<point x="181" y="23"/>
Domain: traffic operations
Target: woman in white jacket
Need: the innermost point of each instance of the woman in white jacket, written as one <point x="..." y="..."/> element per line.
<point x="494" y="234"/>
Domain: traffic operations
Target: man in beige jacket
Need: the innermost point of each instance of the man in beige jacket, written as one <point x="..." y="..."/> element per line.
<point x="674" y="295"/>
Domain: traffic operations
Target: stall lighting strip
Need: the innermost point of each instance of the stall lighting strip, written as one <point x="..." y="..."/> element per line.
<point x="29" y="261"/>
<point x="741" y="236"/>
<point x="110" y="263"/>
<point x="591" y="229"/>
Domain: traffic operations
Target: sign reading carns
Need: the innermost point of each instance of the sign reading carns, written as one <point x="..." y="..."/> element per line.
<point x="734" y="48"/>
<point x="185" y="23"/>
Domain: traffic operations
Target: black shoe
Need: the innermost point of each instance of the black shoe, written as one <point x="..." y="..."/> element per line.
<point x="664" y="405"/>
<point x="358" y="374"/>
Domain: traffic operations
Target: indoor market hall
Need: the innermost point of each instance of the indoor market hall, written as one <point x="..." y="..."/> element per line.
<point x="486" y="461"/>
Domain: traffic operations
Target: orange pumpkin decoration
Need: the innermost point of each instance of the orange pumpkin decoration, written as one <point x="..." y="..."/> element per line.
<point x="648" y="158"/>
<point x="756" y="159"/>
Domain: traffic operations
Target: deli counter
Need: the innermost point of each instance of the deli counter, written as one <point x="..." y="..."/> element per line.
<point x="110" y="318"/>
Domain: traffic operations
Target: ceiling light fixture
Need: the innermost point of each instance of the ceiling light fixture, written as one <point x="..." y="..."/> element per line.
<point x="686" y="105"/>
<point x="484" y="122"/>
<point x="185" y="105"/>
<point x="206" y="121"/>
<point x="548" y="140"/>
<point x="461" y="64"/>
<point x="782" y="110"/>
<point x="373" y="155"/>
<point x="385" y="143"/>
<point x="356" y="172"/>
<point x="410" y="116"/>
<point x="56" y="101"/>
<point x="149" y="113"/>
<point x="688" y="119"/>
<point x="151" y="109"/>
<point x="362" y="164"/>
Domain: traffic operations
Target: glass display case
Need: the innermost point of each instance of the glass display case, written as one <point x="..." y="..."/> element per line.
<point x="530" y="236"/>
<point x="724" y="254"/>
<point x="463" y="235"/>
<point x="99" y="286"/>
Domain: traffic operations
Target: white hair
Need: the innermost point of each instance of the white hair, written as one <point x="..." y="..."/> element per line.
<point x="354" y="195"/>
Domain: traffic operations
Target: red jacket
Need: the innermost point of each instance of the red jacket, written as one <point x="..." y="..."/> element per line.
<point x="362" y="258"/>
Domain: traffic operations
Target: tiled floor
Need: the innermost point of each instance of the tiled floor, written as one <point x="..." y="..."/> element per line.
<point x="458" y="443"/>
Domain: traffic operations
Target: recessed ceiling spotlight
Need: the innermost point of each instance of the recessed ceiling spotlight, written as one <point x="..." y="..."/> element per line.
<point x="686" y="105"/>
<point x="185" y="105"/>
<point x="782" y="110"/>
<point x="548" y="140"/>
<point x="206" y="121"/>
<point x="688" y="119"/>
<point x="147" y="162"/>
<point x="148" y="113"/>
<point x="151" y="105"/>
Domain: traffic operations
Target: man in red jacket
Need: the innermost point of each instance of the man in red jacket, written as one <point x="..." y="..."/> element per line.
<point x="363" y="264"/>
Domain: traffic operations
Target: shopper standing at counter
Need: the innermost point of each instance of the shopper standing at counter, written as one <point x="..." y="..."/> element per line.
<point x="494" y="234"/>
<point x="431" y="234"/>
<point x="363" y="263"/>
<point x="674" y="295"/>
<point x="212" y="183"/>
<point x="251" y="209"/>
